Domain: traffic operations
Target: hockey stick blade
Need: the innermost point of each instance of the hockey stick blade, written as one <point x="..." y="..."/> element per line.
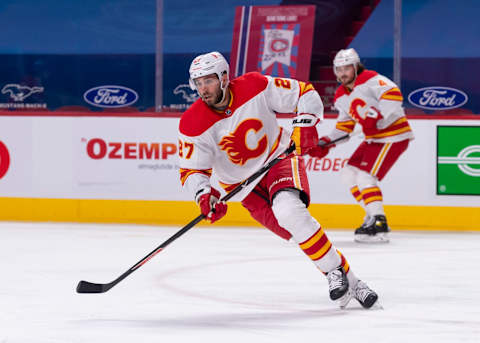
<point x="89" y="287"/>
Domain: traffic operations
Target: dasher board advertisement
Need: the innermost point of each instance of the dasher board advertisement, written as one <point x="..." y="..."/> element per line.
<point x="458" y="160"/>
<point x="273" y="40"/>
<point x="136" y="159"/>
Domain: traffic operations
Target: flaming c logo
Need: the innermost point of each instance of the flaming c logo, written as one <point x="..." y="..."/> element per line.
<point x="4" y="159"/>
<point x="357" y="102"/>
<point x="235" y="144"/>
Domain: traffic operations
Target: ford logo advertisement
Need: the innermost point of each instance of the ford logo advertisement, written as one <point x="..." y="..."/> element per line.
<point x="110" y="96"/>
<point x="437" y="98"/>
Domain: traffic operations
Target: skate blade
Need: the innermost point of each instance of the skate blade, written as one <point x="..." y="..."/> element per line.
<point x="345" y="299"/>
<point x="378" y="238"/>
<point x="376" y="306"/>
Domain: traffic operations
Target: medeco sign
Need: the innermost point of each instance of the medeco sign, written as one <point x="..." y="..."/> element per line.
<point x="437" y="98"/>
<point x="4" y="159"/>
<point x="110" y="96"/>
<point x="97" y="149"/>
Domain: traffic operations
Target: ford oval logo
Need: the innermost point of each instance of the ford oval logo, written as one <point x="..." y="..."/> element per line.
<point x="437" y="98"/>
<point x="110" y="96"/>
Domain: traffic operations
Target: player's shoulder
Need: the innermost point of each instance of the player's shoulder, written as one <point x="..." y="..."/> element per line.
<point x="380" y="81"/>
<point x="247" y="87"/>
<point x="252" y="82"/>
<point x="197" y="119"/>
<point x="366" y="77"/>
<point x="341" y="91"/>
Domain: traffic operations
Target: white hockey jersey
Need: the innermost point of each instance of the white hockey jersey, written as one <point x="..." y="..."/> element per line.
<point x="372" y="90"/>
<point x="238" y="141"/>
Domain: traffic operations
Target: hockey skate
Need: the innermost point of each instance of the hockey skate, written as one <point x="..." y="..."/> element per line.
<point x="338" y="287"/>
<point x="364" y="295"/>
<point x="377" y="231"/>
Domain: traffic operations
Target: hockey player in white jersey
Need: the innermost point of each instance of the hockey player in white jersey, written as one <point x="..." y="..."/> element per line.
<point x="375" y="102"/>
<point x="232" y="131"/>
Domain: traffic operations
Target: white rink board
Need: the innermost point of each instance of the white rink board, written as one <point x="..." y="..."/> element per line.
<point x="49" y="159"/>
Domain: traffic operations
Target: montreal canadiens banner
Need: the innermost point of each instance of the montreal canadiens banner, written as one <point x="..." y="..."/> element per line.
<point x="273" y="40"/>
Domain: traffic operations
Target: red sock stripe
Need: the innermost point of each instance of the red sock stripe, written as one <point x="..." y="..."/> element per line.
<point x="356" y="193"/>
<point x="344" y="264"/>
<point x="371" y="194"/>
<point x="306" y="244"/>
<point x="370" y="189"/>
<point x="317" y="245"/>
<point x="371" y="197"/>
<point x="319" y="249"/>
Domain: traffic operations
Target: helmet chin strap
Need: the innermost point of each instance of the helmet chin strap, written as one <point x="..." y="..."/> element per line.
<point x="224" y="93"/>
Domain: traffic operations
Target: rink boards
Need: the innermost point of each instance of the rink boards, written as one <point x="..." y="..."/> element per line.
<point x="124" y="169"/>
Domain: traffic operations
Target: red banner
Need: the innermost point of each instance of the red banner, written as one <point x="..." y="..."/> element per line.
<point x="273" y="40"/>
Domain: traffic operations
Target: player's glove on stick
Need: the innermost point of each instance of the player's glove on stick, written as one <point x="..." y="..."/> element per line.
<point x="372" y="116"/>
<point x="304" y="133"/>
<point x="207" y="199"/>
<point x="322" y="149"/>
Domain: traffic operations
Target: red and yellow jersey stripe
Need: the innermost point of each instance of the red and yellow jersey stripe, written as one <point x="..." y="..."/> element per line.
<point x="305" y="87"/>
<point x="346" y="126"/>
<point x="276" y="143"/>
<point x="228" y="187"/>
<point x="392" y="94"/>
<point x="398" y="127"/>
<point x="185" y="173"/>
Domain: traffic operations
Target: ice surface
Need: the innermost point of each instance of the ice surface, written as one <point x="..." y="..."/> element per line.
<point x="230" y="285"/>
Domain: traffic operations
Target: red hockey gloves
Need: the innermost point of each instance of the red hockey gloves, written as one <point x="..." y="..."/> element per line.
<point x="207" y="199"/>
<point x="322" y="149"/>
<point x="304" y="133"/>
<point x="372" y="116"/>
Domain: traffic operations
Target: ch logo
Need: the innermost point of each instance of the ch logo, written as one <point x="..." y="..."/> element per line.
<point x="463" y="160"/>
<point x="237" y="145"/>
<point x="4" y="159"/>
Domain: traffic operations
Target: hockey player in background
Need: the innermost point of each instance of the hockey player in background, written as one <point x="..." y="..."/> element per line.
<point x="375" y="102"/>
<point x="232" y="131"/>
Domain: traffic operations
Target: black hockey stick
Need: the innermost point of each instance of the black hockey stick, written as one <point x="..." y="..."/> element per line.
<point x="335" y="140"/>
<point x="90" y="287"/>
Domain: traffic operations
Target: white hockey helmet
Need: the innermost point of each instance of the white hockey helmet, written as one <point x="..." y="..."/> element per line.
<point x="346" y="57"/>
<point x="210" y="63"/>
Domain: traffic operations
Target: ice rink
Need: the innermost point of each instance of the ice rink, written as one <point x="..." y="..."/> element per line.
<point x="230" y="285"/>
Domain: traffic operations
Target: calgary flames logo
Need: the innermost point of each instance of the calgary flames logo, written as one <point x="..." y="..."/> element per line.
<point x="235" y="144"/>
<point x="356" y="103"/>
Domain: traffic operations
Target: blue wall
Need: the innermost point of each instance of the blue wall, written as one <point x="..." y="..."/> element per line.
<point x="439" y="45"/>
<point x="68" y="47"/>
<point x="430" y="28"/>
<point x="77" y="27"/>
